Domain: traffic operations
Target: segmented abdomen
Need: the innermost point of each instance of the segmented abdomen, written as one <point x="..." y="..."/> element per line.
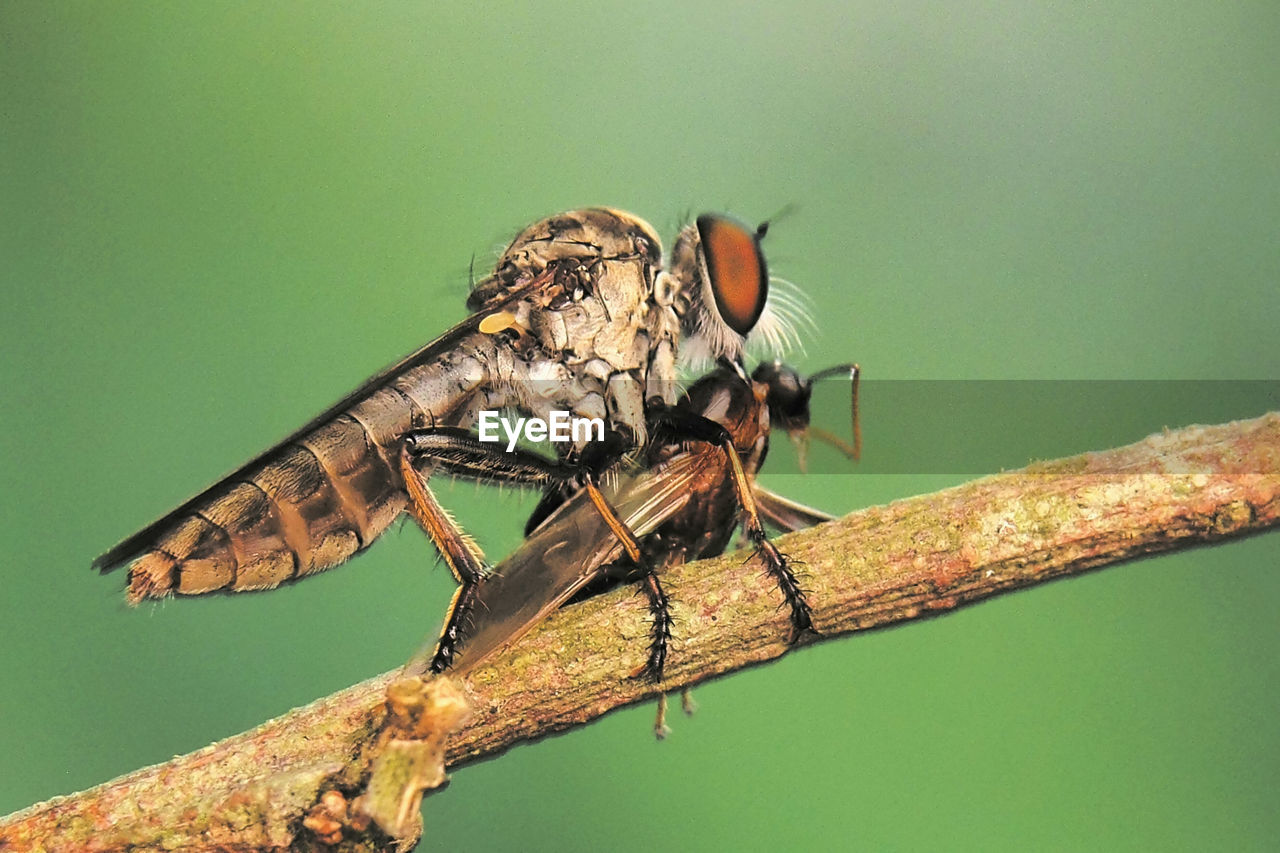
<point x="311" y="502"/>
<point x="307" y="506"/>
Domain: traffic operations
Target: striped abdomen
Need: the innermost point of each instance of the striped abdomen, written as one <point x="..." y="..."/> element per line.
<point x="308" y="504"/>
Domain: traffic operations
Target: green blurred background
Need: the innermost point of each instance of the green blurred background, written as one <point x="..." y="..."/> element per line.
<point x="219" y="218"/>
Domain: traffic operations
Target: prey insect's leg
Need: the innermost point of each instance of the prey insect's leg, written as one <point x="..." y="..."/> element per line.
<point x="690" y="707"/>
<point x="660" y="727"/>
<point x="698" y="428"/>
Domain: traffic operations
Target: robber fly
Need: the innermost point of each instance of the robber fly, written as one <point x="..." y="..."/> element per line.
<point x="579" y="315"/>
<point x="696" y="484"/>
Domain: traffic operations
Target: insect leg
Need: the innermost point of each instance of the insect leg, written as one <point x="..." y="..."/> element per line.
<point x="460" y="554"/>
<point x="660" y="727"/>
<point x="597" y="458"/>
<point x="459" y="453"/>
<point x="692" y="426"/>
<point x="659" y="604"/>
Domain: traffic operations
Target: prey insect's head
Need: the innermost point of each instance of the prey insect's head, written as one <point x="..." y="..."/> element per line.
<point x="722" y="278"/>
<point x="787" y="395"/>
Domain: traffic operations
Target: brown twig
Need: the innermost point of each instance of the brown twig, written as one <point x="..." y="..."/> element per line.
<point x="875" y="567"/>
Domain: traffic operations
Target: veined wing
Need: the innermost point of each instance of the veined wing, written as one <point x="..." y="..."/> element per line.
<point x="785" y="514"/>
<point x="140" y="541"/>
<point x="564" y="554"/>
<point x="430" y="352"/>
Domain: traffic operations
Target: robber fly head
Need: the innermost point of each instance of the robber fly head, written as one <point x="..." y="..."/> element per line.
<point x="723" y="279"/>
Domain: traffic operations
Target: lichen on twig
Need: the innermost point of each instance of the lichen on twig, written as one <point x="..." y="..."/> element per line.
<point x="874" y="567"/>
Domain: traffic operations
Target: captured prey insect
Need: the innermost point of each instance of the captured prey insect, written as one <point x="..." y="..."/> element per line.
<point x="579" y="315"/>
<point x="697" y="482"/>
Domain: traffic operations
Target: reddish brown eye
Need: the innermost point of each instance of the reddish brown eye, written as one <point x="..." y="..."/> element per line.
<point x="735" y="264"/>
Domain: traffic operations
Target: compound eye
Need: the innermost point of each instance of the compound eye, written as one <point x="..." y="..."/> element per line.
<point x="736" y="267"/>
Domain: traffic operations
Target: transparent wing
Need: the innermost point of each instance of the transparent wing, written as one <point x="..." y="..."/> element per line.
<point x="147" y="536"/>
<point x="564" y="554"/>
<point x="785" y="514"/>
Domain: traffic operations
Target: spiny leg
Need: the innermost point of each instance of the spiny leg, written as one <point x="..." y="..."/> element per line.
<point x="777" y="566"/>
<point x="697" y="427"/>
<point x="659" y="604"/>
<point x="460" y="453"/>
<point x="660" y="624"/>
<point x="595" y="460"/>
<point x="774" y="560"/>
<point x="459" y="552"/>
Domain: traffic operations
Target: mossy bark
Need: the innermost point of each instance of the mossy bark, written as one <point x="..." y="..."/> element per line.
<point x="887" y="564"/>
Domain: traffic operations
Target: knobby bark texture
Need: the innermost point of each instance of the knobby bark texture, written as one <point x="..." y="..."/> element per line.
<point x="916" y="557"/>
